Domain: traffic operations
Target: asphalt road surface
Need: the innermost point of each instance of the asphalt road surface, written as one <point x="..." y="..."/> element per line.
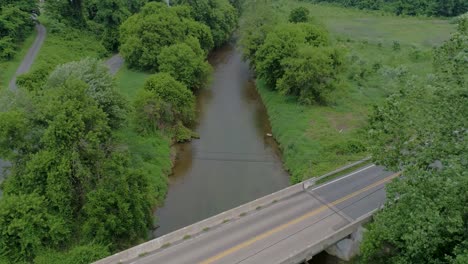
<point x="115" y="63"/>
<point x="271" y="234"/>
<point x="30" y="56"/>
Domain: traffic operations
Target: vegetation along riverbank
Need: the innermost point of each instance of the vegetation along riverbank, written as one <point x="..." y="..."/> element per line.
<point x="319" y="112"/>
<point x="341" y="84"/>
<point x="90" y="153"/>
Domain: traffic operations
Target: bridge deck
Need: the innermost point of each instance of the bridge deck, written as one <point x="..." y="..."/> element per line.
<point x="286" y="227"/>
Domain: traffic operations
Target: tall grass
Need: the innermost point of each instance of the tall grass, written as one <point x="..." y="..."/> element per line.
<point x="151" y="153"/>
<point x="383" y="51"/>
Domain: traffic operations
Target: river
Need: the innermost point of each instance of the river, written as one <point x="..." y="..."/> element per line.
<point x="234" y="161"/>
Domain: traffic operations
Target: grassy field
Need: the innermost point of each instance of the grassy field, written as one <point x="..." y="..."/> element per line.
<point x="383" y="53"/>
<point x="66" y="46"/>
<point x="150" y="152"/>
<point x="8" y="68"/>
<point x="376" y="26"/>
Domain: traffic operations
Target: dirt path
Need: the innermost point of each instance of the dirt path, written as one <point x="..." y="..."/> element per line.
<point x="115" y="63"/>
<point x="30" y="56"/>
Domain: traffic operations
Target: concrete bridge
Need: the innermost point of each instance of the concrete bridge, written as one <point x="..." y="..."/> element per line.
<point x="289" y="226"/>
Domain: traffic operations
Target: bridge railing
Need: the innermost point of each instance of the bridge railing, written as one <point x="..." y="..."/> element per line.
<point x="212" y="222"/>
<point x="315" y="248"/>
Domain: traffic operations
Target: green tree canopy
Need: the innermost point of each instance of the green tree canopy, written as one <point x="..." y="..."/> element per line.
<point x="145" y="34"/>
<point x="283" y="42"/>
<point x="109" y="14"/>
<point x="299" y="14"/>
<point x="101" y="86"/>
<point x="15" y="25"/>
<point x="254" y="29"/>
<point x="421" y="130"/>
<point x="178" y="100"/>
<point x="185" y="65"/>
<point x="312" y="74"/>
<point x="25" y="224"/>
<point x="219" y="15"/>
<point x="165" y="104"/>
<point x="68" y="170"/>
<point x="410" y="7"/>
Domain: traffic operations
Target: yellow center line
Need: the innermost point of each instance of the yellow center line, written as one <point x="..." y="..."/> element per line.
<point x="294" y="221"/>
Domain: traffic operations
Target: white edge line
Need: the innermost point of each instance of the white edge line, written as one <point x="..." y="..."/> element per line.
<point x="344" y="177"/>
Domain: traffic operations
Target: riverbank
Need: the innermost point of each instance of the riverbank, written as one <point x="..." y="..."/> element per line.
<point x="234" y="161"/>
<point x="316" y="139"/>
<point x="152" y="153"/>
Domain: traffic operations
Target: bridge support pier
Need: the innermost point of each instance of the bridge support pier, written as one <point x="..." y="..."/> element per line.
<point x="347" y="248"/>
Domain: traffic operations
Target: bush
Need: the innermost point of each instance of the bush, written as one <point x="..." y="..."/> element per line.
<point x="185" y="65"/>
<point x="219" y="15"/>
<point x="101" y="86"/>
<point x="299" y="14"/>
<point x="311" y="74"/>
<point x="25" y="224"/>
<point x="283" y="42"/>
<point x="35" y="79"/>
<point x="145" y="34"/>
<point x="164" y="103"/>
<point x="78" y="255"/>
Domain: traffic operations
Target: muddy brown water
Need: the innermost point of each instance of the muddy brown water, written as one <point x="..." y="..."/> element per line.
<point x="234" y="161"/>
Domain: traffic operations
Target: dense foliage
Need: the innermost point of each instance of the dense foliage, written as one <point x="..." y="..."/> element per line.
<point x="165" y="104"/>
<point x="219" y="15"/>
<point x="422" y="130"/>
<point x="70" y="183"/>
<point x="15" y="24"/>
<point x="145" y="34"/>
<point x="299" y="14"/>
<point x="293" y="57"/>
<point x="102" y="17"/>
<point x="410" y="7"/>
<point x="186" y="64"/>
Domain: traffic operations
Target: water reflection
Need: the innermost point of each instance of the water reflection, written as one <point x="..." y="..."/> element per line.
<point x="234" y="161"/>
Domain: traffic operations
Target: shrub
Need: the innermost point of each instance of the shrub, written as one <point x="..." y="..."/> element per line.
<point x="142" y="36"/>
<point x="312" y="74"/>
<point x="101" y="86"/>
<point x="164" y="103"/>
<point x="186" y="64"/>
<point x="299" y="14"/>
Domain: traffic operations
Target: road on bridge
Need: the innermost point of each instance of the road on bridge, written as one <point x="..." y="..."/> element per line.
<point x="271" y="234"/>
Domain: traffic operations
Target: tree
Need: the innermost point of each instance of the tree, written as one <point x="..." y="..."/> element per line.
<point x="219" y="15"/>
<point x="15" y="25"/>
<point x="450" y="60"/>
<point x="312" y="74"/>
<point x="422" y="132"/>
<point x="101" y="86"/>
<point x="110" y="14"/>
<point x="67" y="11"/>
<point x="67" y="167"/>
<point x="427" y="224"/>
<point x="28" y="6"/>
<point x="185" y="65"/>
<point x="165" y="104"/>
<point x="178" y="100"/>
<point x="24" y="226"/>
<point x="283" y="42"/>
<point x="254" y="28"/>
<point x="299" y="14"/>
<point x="118" y="210"/>
<point x="144" y="35"/>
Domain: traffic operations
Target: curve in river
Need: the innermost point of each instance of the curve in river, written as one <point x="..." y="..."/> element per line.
<point x="234" y="161"/>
